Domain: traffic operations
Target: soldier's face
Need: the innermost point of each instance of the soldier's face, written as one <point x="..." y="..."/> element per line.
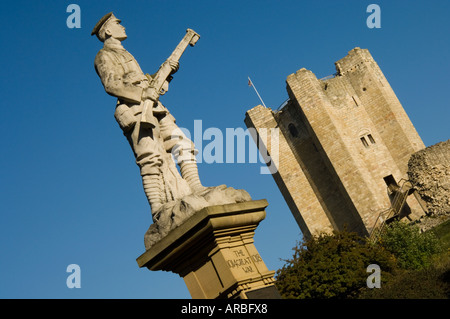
<point x="116" y="30"/>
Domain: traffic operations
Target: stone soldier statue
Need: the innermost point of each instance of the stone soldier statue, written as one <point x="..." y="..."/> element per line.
<point x="153" y="135"/>
<point x="122" y="77"/>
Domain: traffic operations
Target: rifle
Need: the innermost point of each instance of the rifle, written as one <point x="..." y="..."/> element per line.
<point x="163" y="75"/>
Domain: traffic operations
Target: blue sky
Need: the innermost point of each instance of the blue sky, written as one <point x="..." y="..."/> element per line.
<point x="70" y="192"/>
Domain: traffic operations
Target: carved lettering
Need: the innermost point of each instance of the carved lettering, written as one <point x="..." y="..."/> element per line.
<point x="256" y="258"/>
<point x="239" y="253"/>
<point x="247" y="269"/>
<point x="245" y="263"/>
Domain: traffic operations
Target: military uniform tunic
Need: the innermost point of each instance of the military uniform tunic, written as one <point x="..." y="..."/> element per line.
<point x="123" y="78"/>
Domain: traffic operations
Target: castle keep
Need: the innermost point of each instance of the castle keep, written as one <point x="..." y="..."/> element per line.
<point x="344" y="146"/>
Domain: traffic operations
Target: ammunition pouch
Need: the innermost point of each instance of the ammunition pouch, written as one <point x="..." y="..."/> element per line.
<point x="125" y="117"/>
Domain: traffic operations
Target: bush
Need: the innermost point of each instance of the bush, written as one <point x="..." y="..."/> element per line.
<point x="412" y="249"/>
<point x="331" y="266"/>
<point x="428" y="283"/>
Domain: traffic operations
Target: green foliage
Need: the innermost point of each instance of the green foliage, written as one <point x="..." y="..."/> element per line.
<point x="442" y="232"/>
<point x="429" y="283"/>
<point x="331" y="266"/>
<point x="413" y="265"/>
<point x="412" y="249"/>
<point x="426" y="266"/>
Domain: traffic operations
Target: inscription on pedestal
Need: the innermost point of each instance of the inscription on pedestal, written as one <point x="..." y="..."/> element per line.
<point x="217" y="261"/>
<point x="243" y="261"/>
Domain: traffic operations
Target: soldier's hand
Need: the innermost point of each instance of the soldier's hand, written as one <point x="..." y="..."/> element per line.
<point x="150" y="94"/>
<point x="174" y="65"/>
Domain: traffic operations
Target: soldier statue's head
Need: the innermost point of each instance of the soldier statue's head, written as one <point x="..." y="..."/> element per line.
<point x="109" y="27"/>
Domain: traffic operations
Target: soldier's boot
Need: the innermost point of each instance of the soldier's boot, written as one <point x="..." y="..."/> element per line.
<point x="153" y="191"/>
<point x="189" y="172"/>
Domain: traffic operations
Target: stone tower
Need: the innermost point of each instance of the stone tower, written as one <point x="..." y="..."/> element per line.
<point x="343" y="147"/>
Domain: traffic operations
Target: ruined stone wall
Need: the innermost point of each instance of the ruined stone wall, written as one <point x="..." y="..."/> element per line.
<point x="429" y="173"/>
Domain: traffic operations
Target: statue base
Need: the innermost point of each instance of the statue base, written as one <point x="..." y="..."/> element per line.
<point x="213" y="251"/>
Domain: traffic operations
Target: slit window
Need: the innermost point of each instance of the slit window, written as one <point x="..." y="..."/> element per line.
<point x="364" y="142"/>
<point x="371" y="139"/>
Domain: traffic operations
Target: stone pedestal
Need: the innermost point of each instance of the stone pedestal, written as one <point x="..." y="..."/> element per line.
<point x="213" y="251"/>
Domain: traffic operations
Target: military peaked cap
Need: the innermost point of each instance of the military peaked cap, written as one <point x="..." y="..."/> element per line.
<point x="101" y="22"/>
